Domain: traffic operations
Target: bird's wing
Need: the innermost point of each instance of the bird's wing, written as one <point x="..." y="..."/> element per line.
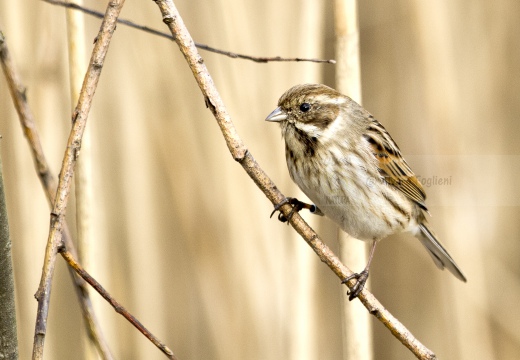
<point x="392" y="166"/>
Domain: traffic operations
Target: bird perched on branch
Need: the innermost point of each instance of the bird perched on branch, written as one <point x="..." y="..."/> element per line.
<point x="345" y="161"/>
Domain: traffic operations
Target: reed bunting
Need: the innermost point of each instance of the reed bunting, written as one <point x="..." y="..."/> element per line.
<point x="345" y="161"/>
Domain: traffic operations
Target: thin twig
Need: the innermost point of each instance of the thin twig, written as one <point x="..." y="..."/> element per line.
<point x="230" y="54"/>
<point x="79" y="120"/>
<point x="240" y="153"/>
<point x="117" y="307"/>
<point x="49" y="184"/>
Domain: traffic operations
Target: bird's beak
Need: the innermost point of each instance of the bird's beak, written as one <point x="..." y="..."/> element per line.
<point x="277" y="115"/>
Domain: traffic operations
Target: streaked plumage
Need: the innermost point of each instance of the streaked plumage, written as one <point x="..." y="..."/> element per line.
<point x="348" y="165"/>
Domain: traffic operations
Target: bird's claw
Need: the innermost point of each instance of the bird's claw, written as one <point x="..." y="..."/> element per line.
<point x="297" y="205"/>
<point x="355" y="290"/>
<point x="277" y="207"/>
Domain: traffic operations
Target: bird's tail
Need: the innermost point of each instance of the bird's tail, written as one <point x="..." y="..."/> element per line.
<point x="440" y="256"/>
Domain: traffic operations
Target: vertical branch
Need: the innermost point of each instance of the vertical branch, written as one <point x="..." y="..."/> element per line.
<point x="79" y="120"/>
<point x="356" y="325"/>
<point x="83" y="178"/>
<point x="8" y="338"/>
<point x="348" y="67"/>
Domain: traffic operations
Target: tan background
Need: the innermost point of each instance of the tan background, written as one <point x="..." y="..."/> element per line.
<point x="182" y="235"/>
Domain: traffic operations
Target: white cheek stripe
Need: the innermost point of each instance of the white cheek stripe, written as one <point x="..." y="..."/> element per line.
<point x="331" y="132"/>
<point x="308" y="129"/>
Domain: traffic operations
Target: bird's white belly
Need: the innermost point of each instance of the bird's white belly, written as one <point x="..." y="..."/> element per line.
<point x="352" y="201"/>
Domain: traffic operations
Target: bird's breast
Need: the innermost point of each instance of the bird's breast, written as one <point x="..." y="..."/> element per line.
<point x="350" y="192"/>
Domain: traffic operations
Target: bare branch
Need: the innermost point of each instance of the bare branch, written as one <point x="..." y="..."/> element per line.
<point x="68" y="252"/>
<point x="9" y="344"/>
<point x="117" y="307"/>
<point x="30" y="130"/>
<point x="200" y="46"/>
<point x="240" y="153"/>
<point x="79" y="120"/>
<point x="49" y="184"/>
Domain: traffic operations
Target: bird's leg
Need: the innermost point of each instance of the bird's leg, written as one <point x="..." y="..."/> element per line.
<point x="297" y="205"/>
<point x="361" y="277"/>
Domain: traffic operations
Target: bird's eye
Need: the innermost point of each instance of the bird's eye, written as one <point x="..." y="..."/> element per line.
<point x="305" y="107"/>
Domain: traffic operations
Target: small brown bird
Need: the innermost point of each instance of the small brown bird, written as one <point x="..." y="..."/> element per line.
<point x="348" y="165"/>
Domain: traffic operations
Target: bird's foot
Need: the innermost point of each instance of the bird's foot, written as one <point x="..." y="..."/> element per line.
<point x="297" y="205"/>
<point x="361" y="278"/>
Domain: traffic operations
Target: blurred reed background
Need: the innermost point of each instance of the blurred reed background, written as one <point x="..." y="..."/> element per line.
<point x="182" y="235"/>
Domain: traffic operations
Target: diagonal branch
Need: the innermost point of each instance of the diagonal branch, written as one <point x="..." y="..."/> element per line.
<point x="230" y="54"/>
<point x="49" y="185"/>
<point x="240" y="153"/>
<point x="79" y="120"/>
<point x="120" y="309"/>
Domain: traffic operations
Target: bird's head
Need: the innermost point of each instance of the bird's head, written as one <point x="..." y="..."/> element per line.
<point x="308" y="106"/>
